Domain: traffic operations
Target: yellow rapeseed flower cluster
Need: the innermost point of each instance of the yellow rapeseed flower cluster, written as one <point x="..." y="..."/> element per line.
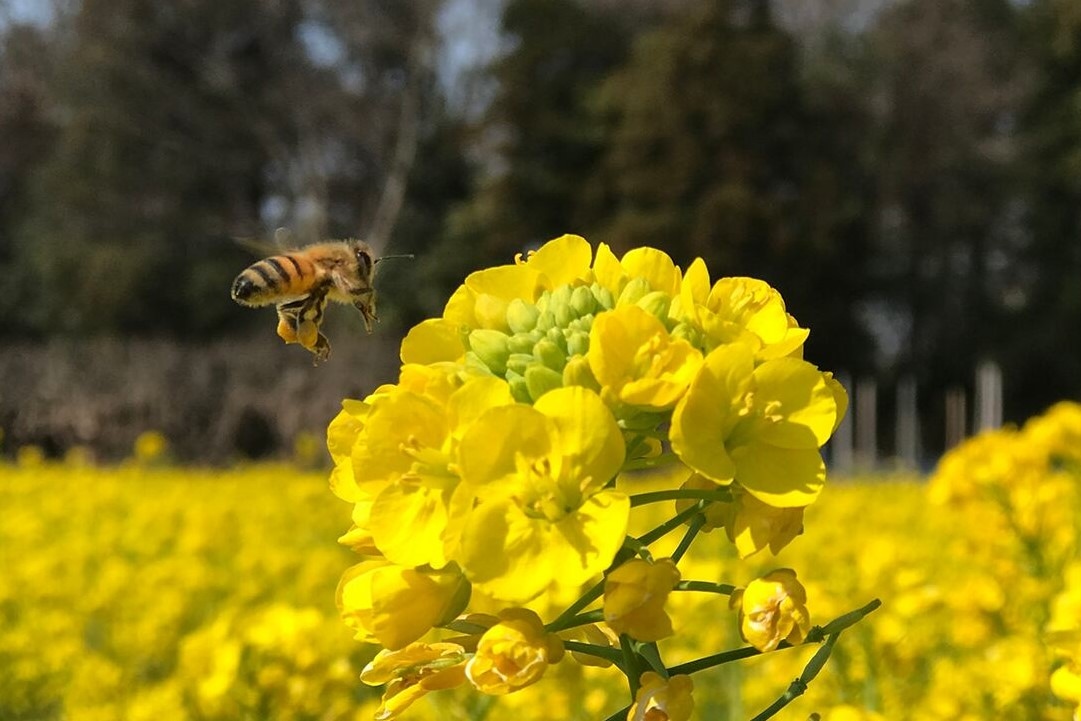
<point x="493" y="474"/>
<point x="186" y="594"/>
<point x="1024" y="487"/>
<point x="147" y="593"/>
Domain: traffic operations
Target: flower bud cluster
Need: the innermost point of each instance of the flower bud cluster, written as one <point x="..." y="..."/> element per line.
<point x="540" y="337"/>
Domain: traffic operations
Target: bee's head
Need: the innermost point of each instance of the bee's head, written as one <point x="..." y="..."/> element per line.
<point x="362" y="252"/>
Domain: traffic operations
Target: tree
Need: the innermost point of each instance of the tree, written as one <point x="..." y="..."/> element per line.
<point x="28" y="132"/>
<point x="1047" y="294"/>
<point x="949" y="84"/>
<point x="715" y="150"/>
<point x="541" y="134"/>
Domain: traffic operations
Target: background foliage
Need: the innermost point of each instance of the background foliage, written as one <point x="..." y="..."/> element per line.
<point x="906" y="172"/>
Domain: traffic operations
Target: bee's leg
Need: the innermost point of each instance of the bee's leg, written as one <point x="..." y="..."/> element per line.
<point x="288" y="319"/>
<point x="364" y="301"/>
<point x="309" y="318"/>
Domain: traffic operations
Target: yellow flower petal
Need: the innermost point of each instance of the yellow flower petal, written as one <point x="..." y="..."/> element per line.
<point x="562" y="260"/>
<point x="513" y="653"/>
<point x="660" y="699"/>
<point x="432" y="341"/>
<point x="655" y="266"/>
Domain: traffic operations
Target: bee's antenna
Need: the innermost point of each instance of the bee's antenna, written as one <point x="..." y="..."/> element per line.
<point x="410" y="256"/>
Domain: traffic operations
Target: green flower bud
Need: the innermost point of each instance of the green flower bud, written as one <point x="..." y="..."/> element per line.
<point x="582" y="301"/>
<point x="560" y="296"/>
<point x="491" y="347"/>
<point x="472" y="361"/>
<point x="557" y="336"/>
<point x="519" y="362"/>
<point x="560" y="306"/>
<point x="603" y="296"/>
<point x="521" y="316"/>
<point x="543" y="301"/>
<point x="519" y="388"/>
<point x="546" y="321"/>
<point x="578" y="373"/>
<point x="656" y="304"/>
<point x="633" y="291"/>
<point x="550" y="354"/>
<point x="688" y="333"/>
<point x="540" y="380"/>
<point x="521" y="343"/>
<point x="577" y="343"/>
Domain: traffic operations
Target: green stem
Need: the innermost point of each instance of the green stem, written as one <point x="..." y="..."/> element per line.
<point x="672" y="523"/>
<point x="652" y="655"/>
<point x="582" y="619"/>
<point x="641" y="464"/>
<point x="633" y="662"/>
<point x="688" y="538"/>
<point x="605" y="652"/>
<point x="620" y="715"/>
<point x="721" y="495"/>
<point x="649" y="433"/>
<point x="841" y="623"/>
<point x="799" y="685"/>
<point x="724" y="589"/>
<point x="717" y="659"/>
<point x="484" y="705"/>
<point x="465" y="627"/>
<point x="565" y="619"/>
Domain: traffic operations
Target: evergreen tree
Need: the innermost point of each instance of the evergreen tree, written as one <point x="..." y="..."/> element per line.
<point x="543" y="137"/>
<point x="1044" y="364"/>
<point x="716" y="151"/>
<point x="25" y="61"/>
<point x="947" y="92"/>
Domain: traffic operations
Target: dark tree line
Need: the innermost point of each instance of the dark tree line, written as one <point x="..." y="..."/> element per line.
<point x="910" y="179"/>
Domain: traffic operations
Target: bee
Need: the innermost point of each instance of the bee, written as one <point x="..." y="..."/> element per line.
<point x="300" y="282"/>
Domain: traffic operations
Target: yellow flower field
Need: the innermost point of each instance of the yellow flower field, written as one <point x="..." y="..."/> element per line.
<point x="143" y="592"/>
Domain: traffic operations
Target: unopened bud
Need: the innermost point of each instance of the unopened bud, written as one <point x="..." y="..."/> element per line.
<point x="656" y="304"/>
<point x="550" y="355"/>
<point x="491" y="347"/>
<point x="541" y="379"/>
<point x="582" y="301"/>
<point x="578" y="373"/>
<point x="518" y="388"/>
<point x="521" y="316"/>
<point x="633" y="291"/>
<point x="577" y="343"/>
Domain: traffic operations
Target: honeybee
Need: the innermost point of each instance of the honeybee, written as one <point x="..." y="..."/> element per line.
<point x="300" y="282"/>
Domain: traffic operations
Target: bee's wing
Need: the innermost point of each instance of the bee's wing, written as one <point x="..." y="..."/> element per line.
<point x="263" y="248"/>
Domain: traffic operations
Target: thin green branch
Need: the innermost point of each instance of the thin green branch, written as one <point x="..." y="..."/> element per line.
<point x="671" y="524"/>
<point x="565" y="619"/>
<point x="620" y="715"/>
<point x="605" y="652"/>
<point x="724" y="589"/>
<point x="720" y="495"/>
<point x="842" y="622"/>
<point x="799" y="685"/>
<point x="582" y="619"/>
<point x="717" y="659"/>
<point x="816" y="635"/>
<point x="463" y="626"/>
<point x="688" y="538"/>
<point x="633" y="663"/>
<point x="640" y="464"/>
<point x="652" y="655"/>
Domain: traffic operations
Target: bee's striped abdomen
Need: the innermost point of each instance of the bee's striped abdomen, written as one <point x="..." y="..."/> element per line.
<point x="274" y="279"/>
